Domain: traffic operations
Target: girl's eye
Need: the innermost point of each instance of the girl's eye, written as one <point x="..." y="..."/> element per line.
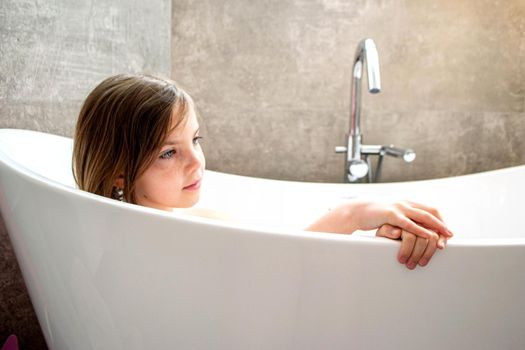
<point x="197" y="139"/>
<point x="167" y="154"/>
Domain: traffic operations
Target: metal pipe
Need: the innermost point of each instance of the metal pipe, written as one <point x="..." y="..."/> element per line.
<point x="366" y="53"/>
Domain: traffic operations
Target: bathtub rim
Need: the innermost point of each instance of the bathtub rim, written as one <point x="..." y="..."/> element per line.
<point x="41" y="180"/>
<point x="420" y="181"/>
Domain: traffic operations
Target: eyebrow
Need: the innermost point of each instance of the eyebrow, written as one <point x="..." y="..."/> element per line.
<point x="174" y="142"/>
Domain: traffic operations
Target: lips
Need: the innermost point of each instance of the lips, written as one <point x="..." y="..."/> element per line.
<point x="194" y="186"/>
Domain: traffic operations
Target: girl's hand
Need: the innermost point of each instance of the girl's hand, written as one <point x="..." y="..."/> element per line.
<point x="414" y="250"/>
<point x="418" y="219"/>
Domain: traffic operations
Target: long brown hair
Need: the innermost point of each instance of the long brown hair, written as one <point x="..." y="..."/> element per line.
<point x="121" y="127"/>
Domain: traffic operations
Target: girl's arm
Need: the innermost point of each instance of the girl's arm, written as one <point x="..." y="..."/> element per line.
<point x="420" y="220"/>
<point x="395" y="221"/>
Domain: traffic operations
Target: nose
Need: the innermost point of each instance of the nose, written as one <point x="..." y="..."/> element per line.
<point x="196" y="160"/>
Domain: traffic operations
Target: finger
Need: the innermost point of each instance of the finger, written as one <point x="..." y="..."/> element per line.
<point x="424" y="207"/>
<point x="382" y="231"/>
<point x="389" y="231"/>
<point x="429" y="252"/>
<point x="407" y="246"/>
<point x="417" y="253"/>
<point x="408" y="225"/>
<point x="427" y="219"/>
<point x="442" y="242"/>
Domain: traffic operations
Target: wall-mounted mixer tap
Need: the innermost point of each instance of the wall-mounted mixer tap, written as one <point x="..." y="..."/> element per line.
<point x="357" y="164"/>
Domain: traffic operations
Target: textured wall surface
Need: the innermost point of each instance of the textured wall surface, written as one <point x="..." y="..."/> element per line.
<point x="52" y="53"/>
<point x="272" y="82"/>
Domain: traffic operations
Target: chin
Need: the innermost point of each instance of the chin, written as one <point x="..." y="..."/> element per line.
<point x="188" y="203"/>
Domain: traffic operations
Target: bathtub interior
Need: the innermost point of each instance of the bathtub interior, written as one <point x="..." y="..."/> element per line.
<point x="485" y="205"/>
<point x="41" y="154"/>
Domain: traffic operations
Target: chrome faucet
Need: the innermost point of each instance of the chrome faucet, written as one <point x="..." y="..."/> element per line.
<point x="357" y="164"/>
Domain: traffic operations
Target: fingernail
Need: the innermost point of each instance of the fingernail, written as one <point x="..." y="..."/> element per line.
<point x="423" y="262"/>
<point x="411" y="265"/>
<point x="450" y="232"/>
<point x="441" y="244"/>
<point x="403" y="260"/>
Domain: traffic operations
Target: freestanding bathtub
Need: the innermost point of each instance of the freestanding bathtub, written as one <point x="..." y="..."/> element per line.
<point x="108" y="275"/>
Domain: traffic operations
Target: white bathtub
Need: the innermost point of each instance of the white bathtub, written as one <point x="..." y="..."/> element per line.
<point x="108" y="275"/>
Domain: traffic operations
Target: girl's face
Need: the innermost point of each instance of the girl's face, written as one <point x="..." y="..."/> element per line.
<point x="174" y="178"/>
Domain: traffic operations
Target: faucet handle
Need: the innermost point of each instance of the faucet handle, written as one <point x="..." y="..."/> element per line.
<point x="340" y="149"/>
<point x="357" y="168"/>
<point x="408" y="154"/>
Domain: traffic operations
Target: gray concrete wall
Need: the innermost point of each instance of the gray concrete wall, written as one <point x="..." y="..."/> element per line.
<point x="52" y="53"/>
<point x="272" y="78"/>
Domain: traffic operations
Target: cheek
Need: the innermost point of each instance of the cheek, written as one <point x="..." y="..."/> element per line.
<point x="160" y="180"/>
<point x="169" y="176"/>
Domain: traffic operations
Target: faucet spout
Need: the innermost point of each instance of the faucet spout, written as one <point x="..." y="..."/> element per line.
<point x="357" y="161"/>
<point x="366" y="52"/>
<point x="368" y="47"/>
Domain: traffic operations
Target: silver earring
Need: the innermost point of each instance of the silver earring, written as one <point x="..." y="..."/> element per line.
<point x="118" y="194"/>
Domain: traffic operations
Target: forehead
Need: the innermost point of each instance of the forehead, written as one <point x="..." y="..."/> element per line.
<point x="189" y="121"/>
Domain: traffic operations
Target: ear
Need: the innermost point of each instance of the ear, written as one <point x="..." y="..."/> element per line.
<point x="119" y="182"/>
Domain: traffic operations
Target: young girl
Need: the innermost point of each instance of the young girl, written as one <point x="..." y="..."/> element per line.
<point x="137" y="140"/>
